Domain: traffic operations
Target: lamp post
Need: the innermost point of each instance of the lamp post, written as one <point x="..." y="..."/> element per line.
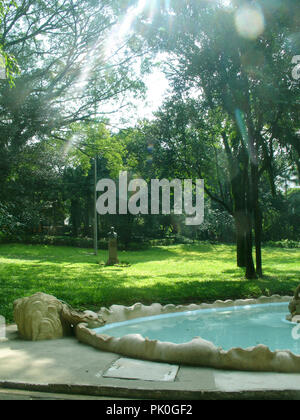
<point x="95" y="227"/>
<point x="95" y="211"/>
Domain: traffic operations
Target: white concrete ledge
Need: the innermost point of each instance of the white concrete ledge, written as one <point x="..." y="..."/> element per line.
<point x="198" y="352"/>
<point x="119" y="313"/>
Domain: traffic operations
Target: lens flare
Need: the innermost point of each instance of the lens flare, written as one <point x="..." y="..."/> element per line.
<point x="122" y="29"/>
<point x="69" y="145"/>
<point x="242" y="126"/>
<point x="250" y="21"/>
<point x="108" y="50"/>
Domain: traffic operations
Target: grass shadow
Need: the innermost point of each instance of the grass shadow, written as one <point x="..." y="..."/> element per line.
<point x="176" y="274"/>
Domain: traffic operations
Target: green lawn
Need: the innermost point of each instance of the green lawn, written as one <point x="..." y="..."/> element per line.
<point x="174" y="274"/>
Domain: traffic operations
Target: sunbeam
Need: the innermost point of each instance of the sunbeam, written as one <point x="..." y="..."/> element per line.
<point x="123" y="28"/>
<point x="112" y="46"/>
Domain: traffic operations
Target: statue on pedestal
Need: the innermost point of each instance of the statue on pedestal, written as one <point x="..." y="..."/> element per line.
<point x="112" y="247"/>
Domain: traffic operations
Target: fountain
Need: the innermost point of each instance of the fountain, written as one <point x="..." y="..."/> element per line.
<point x="249" y="335"/>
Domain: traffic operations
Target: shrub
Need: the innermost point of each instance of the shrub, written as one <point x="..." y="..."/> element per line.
<point x="70" y="241"/>
<point x="284" y="243"/>
<point x="9" y="225"/>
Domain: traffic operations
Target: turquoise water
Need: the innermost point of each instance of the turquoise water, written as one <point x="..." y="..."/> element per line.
<point x="244" y="327"/>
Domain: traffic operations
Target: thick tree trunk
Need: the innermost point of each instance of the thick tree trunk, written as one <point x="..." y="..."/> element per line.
<point x="298" y="169"/>
<point x="240" y="224"/>
<point x="243" y="222"/>
<point x="256" y="215"/>
<point x="241" y="250"/>
<point x="258" y="240"/>
<point x="75" y="219"/>
<point x="250" y="268"/>
<point x="242" y="206"/>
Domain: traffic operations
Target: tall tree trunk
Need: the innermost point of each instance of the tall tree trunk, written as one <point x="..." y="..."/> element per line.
<point x="75" y="219"/>
<point x="250" y="268"/>
<point x="240" y="223"/>
<point x="253" y="149"/>
<point x="242" y="203"/>
<point x="298" y="168"/>
<point x="258" y="239"/>
<point x="256" y="207"/>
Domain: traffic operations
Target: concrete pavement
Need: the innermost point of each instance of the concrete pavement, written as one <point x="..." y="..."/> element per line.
<point x="67" y="369"/>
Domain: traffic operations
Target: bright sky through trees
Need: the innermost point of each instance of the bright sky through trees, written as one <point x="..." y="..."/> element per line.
<point x="156" y="82"/>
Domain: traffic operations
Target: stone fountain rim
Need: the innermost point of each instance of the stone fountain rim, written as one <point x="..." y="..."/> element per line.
<point x="197" y="352"/>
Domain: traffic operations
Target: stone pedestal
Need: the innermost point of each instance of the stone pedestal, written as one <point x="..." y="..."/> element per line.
<point x="112" y="252"/>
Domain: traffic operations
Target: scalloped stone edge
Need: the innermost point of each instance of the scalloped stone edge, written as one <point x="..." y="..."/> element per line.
<point x="197" y="352"/>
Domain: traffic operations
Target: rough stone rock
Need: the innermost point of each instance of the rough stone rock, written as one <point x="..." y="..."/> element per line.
<point x="296" y="319"/>
<point x="43" y="317"/>
<point x="38" y="317"/>
<point x="294" y="306"/>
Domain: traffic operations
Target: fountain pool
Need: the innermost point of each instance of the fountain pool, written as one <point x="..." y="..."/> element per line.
<point x="251" y="334"/>
<point x="243" y="326"/>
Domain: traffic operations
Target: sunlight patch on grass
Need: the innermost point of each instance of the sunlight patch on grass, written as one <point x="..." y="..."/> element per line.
<point x="174" y="274"/>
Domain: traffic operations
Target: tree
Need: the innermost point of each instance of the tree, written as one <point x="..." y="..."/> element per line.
<point x="243" y="74"/>
<point x="88" y="143"/>
<point x="67" y="70"/>
<point x="8" y="64"/>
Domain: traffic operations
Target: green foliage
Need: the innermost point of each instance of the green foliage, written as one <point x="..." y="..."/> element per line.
<point x="17" y="237"/>
<point x="285" y="243"/>
<point x="66" y="77"/>
<point x="86" y="141"/>
<point x="52" y="129"/>
<point x="174" y="274"/>
<point x="9" y="224"/>
<point x="7" y="61"/>
<point x="247" y="84"/>
<point x="281" y="216"/>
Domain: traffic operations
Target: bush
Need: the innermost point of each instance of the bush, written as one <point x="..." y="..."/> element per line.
<point x="136" y="246"/>
<point x="49" y="240"/>
<point x="179" y="239"/>
<point x="162" y="242"/>
<point x="70" y="241"/>
<point x="284" y="243"/>
<point x="9" y="225"/>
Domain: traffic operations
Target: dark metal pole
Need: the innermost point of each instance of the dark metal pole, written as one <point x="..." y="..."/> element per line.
<point x="95" y="212"/>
